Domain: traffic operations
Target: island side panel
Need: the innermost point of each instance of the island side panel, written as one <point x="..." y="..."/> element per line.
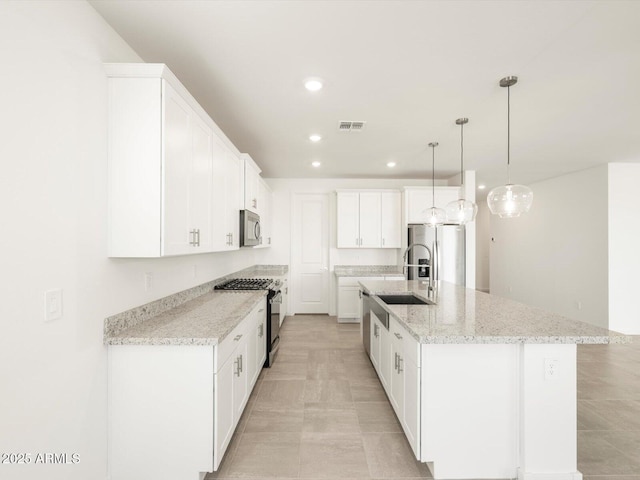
<point x="160" y="407"/>
<point x="548" y="412"/>
<point x="470" y="402"/>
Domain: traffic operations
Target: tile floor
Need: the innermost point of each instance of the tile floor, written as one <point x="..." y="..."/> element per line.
<point x="320" y="413"/>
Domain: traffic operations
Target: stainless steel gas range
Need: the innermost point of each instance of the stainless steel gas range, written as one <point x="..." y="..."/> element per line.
<point x="274" y="302"/>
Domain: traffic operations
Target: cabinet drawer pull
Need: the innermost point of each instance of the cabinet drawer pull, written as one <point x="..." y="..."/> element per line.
<point x="237" y="363"/>
<point x="237" y="337"/>
<point x="261" y="330"/>
<point x="400" y="360"/>
<point x="395" y="364"/>
<point x="241" y="367"/>
<point x="398" y="336"/>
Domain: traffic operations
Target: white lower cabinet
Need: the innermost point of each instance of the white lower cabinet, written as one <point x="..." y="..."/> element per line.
<point x="181" y="402"/>
<point x="243" y="351"/>
<point x="396" y="355"/>
<point x="349" y="298"/>
<point x="374" y="350"/>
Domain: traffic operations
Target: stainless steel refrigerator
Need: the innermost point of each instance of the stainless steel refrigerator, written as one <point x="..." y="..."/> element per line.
<point x="449" y="243"/>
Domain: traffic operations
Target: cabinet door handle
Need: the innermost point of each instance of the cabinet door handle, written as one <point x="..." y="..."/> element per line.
<point x="286" y="291"/>
<point x="241" y="364"/>
<point x="261" y="330"/>
<point x="198" y="237"/>
<point x="237" y="337"/>
<point x="237" y="363"/>
<point x="192" y="238"/>
<point x="231" y="241"/>
<point x="400" y="360"/>
<point x="395" y="361"/>
<point x="383" y="242"/>
<point x="398" y="336"/>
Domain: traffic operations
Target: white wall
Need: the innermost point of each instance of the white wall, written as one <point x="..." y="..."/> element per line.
<point x="624" y="247"/>
<point x="483" y="245"/>
<point x="555" y="256"/>
<point x="53" y="198"/>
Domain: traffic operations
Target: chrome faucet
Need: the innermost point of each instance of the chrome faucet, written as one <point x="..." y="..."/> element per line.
<point x="405" y="267"/>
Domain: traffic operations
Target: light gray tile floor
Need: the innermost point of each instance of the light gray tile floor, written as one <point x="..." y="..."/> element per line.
<point x="321" y="413"/>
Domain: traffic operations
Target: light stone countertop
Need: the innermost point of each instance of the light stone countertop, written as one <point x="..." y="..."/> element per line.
<point x="263" y="271"/>
<point x="205" y="320"/>
<point x="464" y="315"/>
<point x="367" y="271"/>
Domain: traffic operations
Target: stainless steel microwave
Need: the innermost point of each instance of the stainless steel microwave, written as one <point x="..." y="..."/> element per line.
<point x="249" y="229"/>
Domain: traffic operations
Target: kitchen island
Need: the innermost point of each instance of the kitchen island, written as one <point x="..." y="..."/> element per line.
<point x="483" y="386"/>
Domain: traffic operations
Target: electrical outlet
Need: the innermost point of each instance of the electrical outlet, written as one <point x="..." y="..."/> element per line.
<point x="52" y="305"/>
<point x="148" y="282"/>
<point x="550" y="368"/>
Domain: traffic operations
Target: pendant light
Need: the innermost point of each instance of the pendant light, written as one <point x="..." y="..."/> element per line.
<point x="435" y="216"/>
<point x="461" y="211"/>
<point x="509" y="201"/>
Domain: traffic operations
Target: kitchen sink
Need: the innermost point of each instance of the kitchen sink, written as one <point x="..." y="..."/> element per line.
<point x="404" y="300"/>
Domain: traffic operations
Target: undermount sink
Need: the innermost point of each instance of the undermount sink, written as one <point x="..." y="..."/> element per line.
<point x="404" y="300"/>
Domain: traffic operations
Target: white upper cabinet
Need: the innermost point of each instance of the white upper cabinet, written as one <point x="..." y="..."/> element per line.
<point x="227" y="185"/>
<point x="370" y="235"/>
<point x="348" y="206"/>
<point x="264" y="201"/>
<point x="164" y="168"/>
<point x="419" y="199"/>
<point x="391" y="219"/>
<point x="251" y="184"/>
<point x="368" y="219"/>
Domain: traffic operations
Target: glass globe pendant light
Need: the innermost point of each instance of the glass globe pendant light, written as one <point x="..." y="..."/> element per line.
<point x="509" y="201"/>
<point x="461" y="211"/>
<point x="434" y="216"/>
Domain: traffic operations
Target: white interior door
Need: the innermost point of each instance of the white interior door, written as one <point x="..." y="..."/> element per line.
<point x="310" y="253"/>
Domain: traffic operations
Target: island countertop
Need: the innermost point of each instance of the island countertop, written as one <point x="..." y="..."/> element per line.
<point x="205" y="320"/>
<point x="463" y="315"/>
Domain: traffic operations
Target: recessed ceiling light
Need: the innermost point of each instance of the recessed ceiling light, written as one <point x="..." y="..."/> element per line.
<point x="315" y="137"/>
<point x="391" y="164"/>
<point x="482" y="186"/>
<point x="313" y="84"/>
<point x="316" y="164"/>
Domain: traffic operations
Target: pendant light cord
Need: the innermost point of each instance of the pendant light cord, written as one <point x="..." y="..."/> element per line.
<point x="462" y="154"/>
<point x="508" y="134"/>
<point x="433" y="176"/>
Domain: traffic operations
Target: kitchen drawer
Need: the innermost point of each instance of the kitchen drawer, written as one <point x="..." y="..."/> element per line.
<point x="410" y="345"/>
<point x="225" y="348"/>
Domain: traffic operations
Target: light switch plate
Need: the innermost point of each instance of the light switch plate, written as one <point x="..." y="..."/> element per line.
<point x="52" y="304"/>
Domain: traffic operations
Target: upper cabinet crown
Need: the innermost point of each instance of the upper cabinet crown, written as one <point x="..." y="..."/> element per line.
<point x="369" y="219"/>
<point x="169" y="166"/>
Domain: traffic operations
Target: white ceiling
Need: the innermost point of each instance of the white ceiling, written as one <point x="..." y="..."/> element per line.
<point x="409" y="69"/>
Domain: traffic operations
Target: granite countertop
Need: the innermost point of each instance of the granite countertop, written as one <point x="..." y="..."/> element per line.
<point x="263" y="271"/>
<point x="205" y="320"/>
<point x="367" y="271"/>
<point x="464" y="315"/>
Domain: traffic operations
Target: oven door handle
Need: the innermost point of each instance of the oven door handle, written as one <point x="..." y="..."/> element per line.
<point x="277" y="298"/>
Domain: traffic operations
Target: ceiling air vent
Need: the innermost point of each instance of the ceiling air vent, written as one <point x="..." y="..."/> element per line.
<point x="351" y="126"/>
